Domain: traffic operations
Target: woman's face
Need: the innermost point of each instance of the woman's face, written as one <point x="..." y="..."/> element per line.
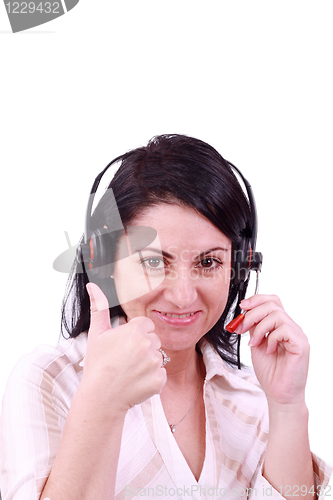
<point x="181" y="281"/>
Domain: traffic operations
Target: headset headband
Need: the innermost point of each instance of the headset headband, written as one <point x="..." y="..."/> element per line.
<point x="92" y="196"/>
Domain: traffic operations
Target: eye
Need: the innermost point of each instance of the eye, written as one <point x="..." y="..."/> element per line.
<point x="209" y="264"/>
<point x="153" y="263"/>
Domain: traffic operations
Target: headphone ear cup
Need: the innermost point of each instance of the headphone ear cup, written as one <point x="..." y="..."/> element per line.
<point x="96" y="255"/>
<point x="84" y="255"/>
<point x="100" y="257"/>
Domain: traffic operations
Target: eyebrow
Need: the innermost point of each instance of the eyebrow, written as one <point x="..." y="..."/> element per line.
<point x="169" y="256"/>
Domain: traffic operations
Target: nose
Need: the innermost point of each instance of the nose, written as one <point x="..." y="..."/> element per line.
<point x="181" y="289"/>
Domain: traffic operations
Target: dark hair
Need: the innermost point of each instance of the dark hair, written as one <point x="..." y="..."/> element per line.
<point x="170" y="169"/>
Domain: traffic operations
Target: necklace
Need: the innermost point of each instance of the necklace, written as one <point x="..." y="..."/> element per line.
<point x="173" y="426"/>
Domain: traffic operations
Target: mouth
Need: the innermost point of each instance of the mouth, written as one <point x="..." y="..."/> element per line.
<point x="173" y="315"/>
<point x="174" y="319"/>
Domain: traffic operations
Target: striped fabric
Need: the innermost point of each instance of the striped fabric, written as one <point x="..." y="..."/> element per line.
<point x="37" y="400"/>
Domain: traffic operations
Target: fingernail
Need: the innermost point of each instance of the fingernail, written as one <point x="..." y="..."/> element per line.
<point x="90" y="290"/>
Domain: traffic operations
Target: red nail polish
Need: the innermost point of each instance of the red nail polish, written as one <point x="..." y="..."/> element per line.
<point x="231" y="327"/>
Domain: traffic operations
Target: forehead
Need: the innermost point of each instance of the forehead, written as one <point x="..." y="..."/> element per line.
<point x="182" y="227"/>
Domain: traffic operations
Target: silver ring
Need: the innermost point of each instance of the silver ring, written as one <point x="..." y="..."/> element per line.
<point x="165" y="358"/>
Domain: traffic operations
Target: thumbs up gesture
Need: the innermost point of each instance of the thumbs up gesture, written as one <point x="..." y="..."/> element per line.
<point x="122" y="366"/>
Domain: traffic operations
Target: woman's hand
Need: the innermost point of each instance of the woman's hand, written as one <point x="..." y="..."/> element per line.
<point x="122" y="366"/>
<point x="279" y="349"/>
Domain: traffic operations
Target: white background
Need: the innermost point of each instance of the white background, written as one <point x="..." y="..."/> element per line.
<point x="254" y="79"/>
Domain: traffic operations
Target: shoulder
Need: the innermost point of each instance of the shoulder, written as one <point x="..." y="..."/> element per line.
<point x="35" y="406"/>
<point x="49" y="368"/>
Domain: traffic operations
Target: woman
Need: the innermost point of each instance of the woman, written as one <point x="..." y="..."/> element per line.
<point x="155" y="404"/>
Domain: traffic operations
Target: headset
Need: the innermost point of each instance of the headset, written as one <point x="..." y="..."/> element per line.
<point x="94" y="251"/>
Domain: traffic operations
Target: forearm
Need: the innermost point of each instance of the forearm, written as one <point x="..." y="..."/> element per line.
<point x="86" y="463"/>
<point x="288" y="463"/>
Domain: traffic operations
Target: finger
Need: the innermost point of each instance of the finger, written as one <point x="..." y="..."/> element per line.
<point x="288" y="338"/>
<point x="99" y="310"/>
<point x="156" y="341"/>
<point x="269" y="324"/>
<point x="257" y="300"/>
<point x="143" y="322"/>
<point x="257" y="314"/>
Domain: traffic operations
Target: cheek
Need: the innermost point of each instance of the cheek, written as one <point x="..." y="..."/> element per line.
<point x="216" y="293"/>
<point x="138" y="306"/>
<point x="129" y="290"/>
<point x="132" y="310"/>
<point x="131" y="282"/>
<point x="217" y="305"/>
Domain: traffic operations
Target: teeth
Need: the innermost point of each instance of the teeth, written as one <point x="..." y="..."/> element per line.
<point x="179" y="316"/>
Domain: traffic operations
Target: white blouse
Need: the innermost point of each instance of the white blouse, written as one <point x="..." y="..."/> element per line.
<point x="37" y="400"/>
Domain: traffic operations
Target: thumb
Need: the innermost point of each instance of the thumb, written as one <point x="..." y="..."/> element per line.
<point x="99" y="310"/>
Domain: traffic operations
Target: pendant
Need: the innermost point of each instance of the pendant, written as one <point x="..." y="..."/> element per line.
<point x="172" y="427"/>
